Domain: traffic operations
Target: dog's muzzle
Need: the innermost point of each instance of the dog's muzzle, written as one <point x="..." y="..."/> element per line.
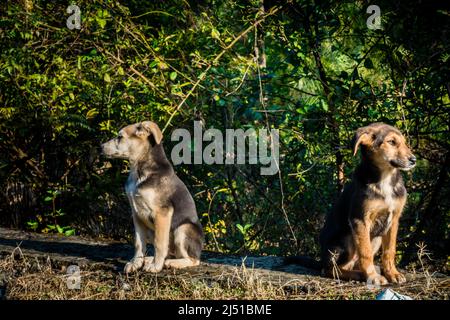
<point x="404" y="165"/>
<point x="105" y="150"/>
<point x="102" y="149"/>
<point x="412" y="161"/>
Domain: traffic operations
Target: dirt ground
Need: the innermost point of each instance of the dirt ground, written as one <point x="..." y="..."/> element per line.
<point x="36" y="266"/>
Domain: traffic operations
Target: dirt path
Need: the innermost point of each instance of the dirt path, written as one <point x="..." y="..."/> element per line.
<point x="34" y="266"/>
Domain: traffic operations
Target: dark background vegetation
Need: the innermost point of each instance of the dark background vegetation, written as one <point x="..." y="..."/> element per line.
<point x="312" y="69"/>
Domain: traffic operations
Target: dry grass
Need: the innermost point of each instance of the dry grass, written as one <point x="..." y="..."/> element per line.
<point x="31" y="278"/>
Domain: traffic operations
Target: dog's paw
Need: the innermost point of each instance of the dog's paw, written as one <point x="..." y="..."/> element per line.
<point x="133" y="265"/>
<point x="181" y="263"/>
<point x="152" y="267"/>
<point x="147" y="262"/>
<point x="376" y="279"/>
<point x="395" y="277"/>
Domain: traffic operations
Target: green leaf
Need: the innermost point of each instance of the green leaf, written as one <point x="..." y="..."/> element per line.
<point x="91" y="113"/>
<point x="107" y="78"/>
<point x="60" y="230"/>
<point x="101" y="22"/>
<point x="215" y="34"/>
<point x="173" y="75"/>
<point x="33" y="225"/>
<point x="69" y="232"/>
<point x="47" y="199"/>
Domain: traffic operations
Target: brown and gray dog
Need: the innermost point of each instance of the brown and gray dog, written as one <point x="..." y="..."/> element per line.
<point x="163" y="210"/>
<point x="366" y="216"/>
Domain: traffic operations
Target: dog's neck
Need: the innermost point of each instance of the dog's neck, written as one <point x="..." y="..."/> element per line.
<point x="369" y="172"/>
<point x="151" y="162"/>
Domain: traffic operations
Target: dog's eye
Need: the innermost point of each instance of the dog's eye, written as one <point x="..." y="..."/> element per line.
<point x="392" y="142"/>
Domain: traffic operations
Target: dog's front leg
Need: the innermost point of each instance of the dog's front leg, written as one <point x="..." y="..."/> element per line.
<point x="361" y="235"/>
<point x="162" y="221"/>
<point x="388" y="257"/>
<point x="140" y="247"/>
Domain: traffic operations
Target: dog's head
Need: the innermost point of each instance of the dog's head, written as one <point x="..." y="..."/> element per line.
<point x="385" y="146"/>
<point x="133" y="141"/>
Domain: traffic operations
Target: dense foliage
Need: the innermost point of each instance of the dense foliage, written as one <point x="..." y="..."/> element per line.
<point x="312" y="69"/>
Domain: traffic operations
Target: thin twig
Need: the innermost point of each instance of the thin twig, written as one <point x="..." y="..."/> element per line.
<point x="240" y="84"/>
<point x="302" y="172"/>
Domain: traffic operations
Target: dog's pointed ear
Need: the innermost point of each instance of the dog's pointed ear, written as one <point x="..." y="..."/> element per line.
<point x="362" y="136"/>
<point x="151" y="128"/>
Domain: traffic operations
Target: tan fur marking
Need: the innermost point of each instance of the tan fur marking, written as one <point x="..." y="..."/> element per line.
<point x="163" y="218"/>
<point x="363" y="246"/>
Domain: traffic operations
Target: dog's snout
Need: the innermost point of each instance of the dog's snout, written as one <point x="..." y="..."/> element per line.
<point x="412" y="160"/>
<point x="104" y="149"/>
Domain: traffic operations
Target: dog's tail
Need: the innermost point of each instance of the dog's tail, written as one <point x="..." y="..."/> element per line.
<point x="304" y="261"/>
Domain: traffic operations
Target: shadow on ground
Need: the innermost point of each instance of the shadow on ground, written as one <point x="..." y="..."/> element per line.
<point x="83" y="250"/>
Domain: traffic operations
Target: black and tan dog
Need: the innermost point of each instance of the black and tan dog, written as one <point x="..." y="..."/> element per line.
<point x="366" y="216"/>
<point x="164" y="212"/>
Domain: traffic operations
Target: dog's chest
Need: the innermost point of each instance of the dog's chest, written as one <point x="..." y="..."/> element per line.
<point x="387" y="191"/>
<point x="383" y="207"/>
<point x="141" y="201"/>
